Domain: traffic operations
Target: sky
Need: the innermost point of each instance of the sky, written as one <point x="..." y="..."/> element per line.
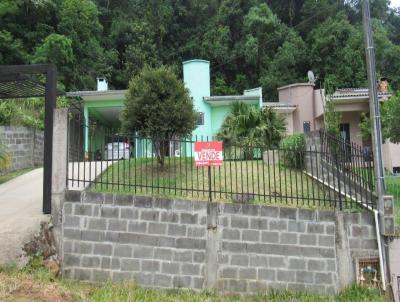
<point x="394" y="3"/>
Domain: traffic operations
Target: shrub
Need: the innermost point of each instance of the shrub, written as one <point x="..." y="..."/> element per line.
<point x="5" y="159"/>
<point x="293" y="149"/>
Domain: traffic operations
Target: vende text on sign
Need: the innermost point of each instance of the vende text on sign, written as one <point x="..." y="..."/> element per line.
<point x="208" y="154"/>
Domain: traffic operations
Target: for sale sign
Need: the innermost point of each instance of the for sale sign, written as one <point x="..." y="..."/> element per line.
<point x="208" y="154"/>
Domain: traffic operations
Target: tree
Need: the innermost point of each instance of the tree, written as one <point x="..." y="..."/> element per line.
<point x="390" y="118"/>
<point x="158" y="106"/>
<point x="56" y="49"/>
<point x="336" y="52"/>
<point x="332" y="118"/>
<point x="80" y="23"/>
<point x="390" y="112"/>
<point x="249" y="127"/>
<point x="12" y="51"/>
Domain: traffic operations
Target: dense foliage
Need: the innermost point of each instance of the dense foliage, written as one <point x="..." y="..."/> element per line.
<point x="249" y="127"/>
<point x="249" y="42"/>
<point x="26" y="112"/>
<point x="293" y="151"/>
<point x="158" y="106"/>
<point x="390" y="113"/>
<point x="5" y="160"/>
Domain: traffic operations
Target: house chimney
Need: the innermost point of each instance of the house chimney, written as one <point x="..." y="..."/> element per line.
<point x="383" y="85"/>
<point x="102" y="84"/>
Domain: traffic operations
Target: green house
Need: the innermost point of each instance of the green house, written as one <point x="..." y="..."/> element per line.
<point x="102" y="109"/>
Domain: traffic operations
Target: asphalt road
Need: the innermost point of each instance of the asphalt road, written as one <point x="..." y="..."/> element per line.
<point x="20" y="214"/>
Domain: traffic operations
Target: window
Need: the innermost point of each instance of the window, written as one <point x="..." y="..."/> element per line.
<point x="200" y="118"/>
<point x="306" y="126"/>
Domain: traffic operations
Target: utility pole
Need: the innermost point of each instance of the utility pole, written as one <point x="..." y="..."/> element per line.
<point x="376" y="121"/>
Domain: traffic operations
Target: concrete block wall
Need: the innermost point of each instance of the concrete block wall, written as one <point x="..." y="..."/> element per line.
<point x="24" y="144"/>
<point x="38" y="147"/>
<point x="158" y="243"/>
<point x="234" y="248"/>
<point x="283" y="248"/>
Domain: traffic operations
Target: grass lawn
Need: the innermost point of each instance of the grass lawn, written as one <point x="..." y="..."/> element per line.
<point x="269" y="183"/>
<point x="393" y="188"/>
<point x="11" y="175"/>
<point x="35" y="283"/>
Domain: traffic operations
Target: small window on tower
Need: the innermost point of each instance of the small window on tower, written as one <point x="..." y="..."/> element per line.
<point x="200" y="118"/>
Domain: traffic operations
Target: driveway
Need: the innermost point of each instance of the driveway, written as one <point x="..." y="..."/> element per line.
<point x="20" y="213"/>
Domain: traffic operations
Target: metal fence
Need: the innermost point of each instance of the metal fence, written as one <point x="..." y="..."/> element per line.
<point x="130" y="164"/>
<point x="354" y="161"/>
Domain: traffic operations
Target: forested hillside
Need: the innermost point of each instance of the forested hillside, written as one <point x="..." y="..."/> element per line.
<point x="249" y="42"/>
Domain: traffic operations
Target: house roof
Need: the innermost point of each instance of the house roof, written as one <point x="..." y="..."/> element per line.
<point x="223" y="100"/>
<point x="98" y="95"/>
<point x="346" y="93"/>
<point x="295" y="85"/>
<point x="281" y="107"/>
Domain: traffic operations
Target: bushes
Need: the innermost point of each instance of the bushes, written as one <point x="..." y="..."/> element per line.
<point x="293" y="151"/>
<point x="5" y="159"/>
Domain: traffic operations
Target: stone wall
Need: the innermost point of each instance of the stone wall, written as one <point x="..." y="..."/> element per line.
<point x="162" y="243"/>
<point x="25" y="146"/>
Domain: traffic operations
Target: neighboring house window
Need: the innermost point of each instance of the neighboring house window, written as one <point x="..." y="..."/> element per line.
<point x="306" y="126"/>
<point x="200" y="118"/>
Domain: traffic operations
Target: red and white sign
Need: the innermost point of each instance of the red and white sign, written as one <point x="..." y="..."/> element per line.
<point x="208" y="154"/>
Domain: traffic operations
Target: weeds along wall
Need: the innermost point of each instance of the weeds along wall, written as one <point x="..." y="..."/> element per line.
<point x="235" y="248"/>
<point x="24" y="145"/>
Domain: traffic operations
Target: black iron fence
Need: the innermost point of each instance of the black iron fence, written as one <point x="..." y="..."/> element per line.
<point x="131" y="164"/>
<point x="353" y="161"/>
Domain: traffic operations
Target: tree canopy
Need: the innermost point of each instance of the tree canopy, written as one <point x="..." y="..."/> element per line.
<point x="249" y="43"/>
<point x="158" y="106"/>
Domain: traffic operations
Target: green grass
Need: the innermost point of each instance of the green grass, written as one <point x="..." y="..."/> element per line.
<point x="35" y="283"/>
<point x="392" y="184"/>
<point x="11" y="175"/>
<point x="279" y="184"/>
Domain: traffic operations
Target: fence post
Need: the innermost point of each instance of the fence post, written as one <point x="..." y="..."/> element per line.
<point x="59" y="174"/>
<point x="209" y="184"/>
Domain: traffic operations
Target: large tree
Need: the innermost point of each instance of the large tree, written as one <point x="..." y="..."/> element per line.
<point x="57" y="49"/>
<point x="158" y="106"/>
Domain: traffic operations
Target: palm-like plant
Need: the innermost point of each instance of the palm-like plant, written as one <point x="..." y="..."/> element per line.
<point x="248" y="127"/>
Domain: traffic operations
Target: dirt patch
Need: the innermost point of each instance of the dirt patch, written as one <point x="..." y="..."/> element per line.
<point x="21" y="289"/>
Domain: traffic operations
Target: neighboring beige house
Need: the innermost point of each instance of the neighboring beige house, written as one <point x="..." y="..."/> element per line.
<point x="303" y="109"/>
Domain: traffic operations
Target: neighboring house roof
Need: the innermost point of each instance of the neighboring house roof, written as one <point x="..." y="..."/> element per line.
<point x="347" y="93"/>
<point x="280" y="107"/>
<point x="295" y="85"/>
<point x="228" y="99"/>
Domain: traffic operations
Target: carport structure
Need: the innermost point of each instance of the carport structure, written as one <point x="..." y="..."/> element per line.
<point x="24" y="81"/>
<point x="103" y="108"/>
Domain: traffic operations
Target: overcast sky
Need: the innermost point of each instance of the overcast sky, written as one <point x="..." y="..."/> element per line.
<point x="394" y="3"/>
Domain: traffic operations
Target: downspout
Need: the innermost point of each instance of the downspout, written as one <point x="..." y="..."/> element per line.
<point x="378" y="238"/>
<point x="377" y="227"/>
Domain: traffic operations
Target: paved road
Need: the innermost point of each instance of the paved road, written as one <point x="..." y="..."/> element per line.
<point x="20" y="213"/>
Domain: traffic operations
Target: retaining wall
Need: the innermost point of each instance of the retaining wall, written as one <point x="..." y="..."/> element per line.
<point x="161" y="243"/>
<point x="24" y="144"/>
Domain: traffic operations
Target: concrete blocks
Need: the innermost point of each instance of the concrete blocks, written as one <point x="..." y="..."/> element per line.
<point x="235" y="248"/>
